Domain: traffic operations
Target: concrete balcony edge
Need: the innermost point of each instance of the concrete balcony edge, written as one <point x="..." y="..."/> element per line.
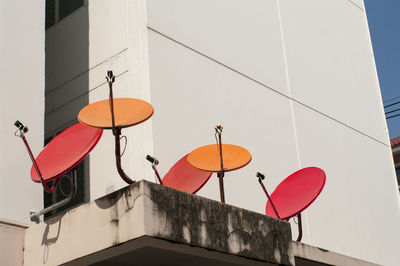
<point x="146" y="210"/>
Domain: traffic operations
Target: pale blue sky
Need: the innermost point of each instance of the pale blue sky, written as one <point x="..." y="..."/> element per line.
<point x="384" y="23"/>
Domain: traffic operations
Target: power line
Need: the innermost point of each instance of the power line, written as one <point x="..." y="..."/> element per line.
<point x="391" y="104"/>
<point x="392" y="116"/>
<point x="392" y="111"/>
<point x="389" y="100"/>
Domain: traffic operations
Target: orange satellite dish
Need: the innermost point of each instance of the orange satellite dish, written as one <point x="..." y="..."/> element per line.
<point x="116" y="114"/>
<point x="207" y="158"/>
<point x="127" y="112"/>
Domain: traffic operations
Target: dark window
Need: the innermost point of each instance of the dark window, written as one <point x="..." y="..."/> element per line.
<point x="56" y="10"/>
<point x="398" y="176"/>
<point x="63" y="189"/>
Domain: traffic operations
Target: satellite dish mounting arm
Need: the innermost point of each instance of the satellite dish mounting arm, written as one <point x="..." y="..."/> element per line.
<point x="116" y="131"/>
<point x="34" y="216"/>
<point x="260" y="178"/>
<point x="21" y="133"/>
<point x="221" y="174"/>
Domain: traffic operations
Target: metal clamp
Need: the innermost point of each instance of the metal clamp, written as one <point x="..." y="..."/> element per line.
<point x="154" y="162"/>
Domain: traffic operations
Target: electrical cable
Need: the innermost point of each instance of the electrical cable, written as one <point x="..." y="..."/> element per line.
<point x="389" y="100"/>
<point x="391" y="104"/>
<point x="395" y="110"/>
<point x="392" y="116"/>
<point x="126" y="143"/>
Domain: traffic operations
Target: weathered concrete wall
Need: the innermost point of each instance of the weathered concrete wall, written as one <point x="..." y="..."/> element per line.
<point x="148" y="209"/>
<point x="198" y="221"/>
<point x="11" y="244"/>
<point x="91" y="227"/>
<point x="21" y="98"/>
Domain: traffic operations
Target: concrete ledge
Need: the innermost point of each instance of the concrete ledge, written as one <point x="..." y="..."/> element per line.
<point x="146" y="210"/>
<point x="199" y="221"/>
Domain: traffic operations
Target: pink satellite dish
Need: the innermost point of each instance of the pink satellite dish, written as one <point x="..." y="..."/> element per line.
<point x="294" y="194"/>
<point x="182" y="176"/>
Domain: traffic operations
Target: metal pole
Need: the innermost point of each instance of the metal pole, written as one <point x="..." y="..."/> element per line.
<point x="35" y="215"/>
<point x="157" y="174"/>
<point x="45" y="187"/>
<point x="218" y="130"/>
<point x="154" y="162"/>
<point x="118" y="157"/>
<point x="110" y="79"/>
<point x="300" y="228"/>
<point x="116" y="132"/>
<point x="260" y="177"/>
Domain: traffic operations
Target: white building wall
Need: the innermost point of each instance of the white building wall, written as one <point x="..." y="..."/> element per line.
<point x="295" y="83"/>
<point x="118" y="31"/>
<point x="100" y="36"/>
<point x="11" y="244"/>
<point x="21" y="98"/>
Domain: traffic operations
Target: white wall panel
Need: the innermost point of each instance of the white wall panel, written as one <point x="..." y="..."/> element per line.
<point x="119" y="32"/>
<point x="191" y="94"/>
<point x="11" y="245"/>
<point x="101" y="36"/>
<point x="330" y="68"/>
<point x="108" y="29"/>
<point x="330" y="62"/>
<point x="104" y="177"/>
<point x="22" y="98"/>
<point x="244" y="35"/>
<point x="358" y="211"/>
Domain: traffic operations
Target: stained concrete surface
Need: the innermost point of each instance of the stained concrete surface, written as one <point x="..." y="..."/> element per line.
<point x="146" y="209"/>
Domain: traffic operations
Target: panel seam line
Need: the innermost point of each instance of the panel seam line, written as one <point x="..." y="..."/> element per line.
<point x="264" y="85"/>
<point x="299" y="164"/>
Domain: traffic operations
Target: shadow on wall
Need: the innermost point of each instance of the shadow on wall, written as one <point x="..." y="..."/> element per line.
<point x="50" y="238"/>
<point x="67" y="83"/>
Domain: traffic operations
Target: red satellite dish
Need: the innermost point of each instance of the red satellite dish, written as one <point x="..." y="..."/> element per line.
<point x="296" y="192"/>
<point x="60" y="155"/>
<point x="65" y="151"/>
<point x="186" y="178"/>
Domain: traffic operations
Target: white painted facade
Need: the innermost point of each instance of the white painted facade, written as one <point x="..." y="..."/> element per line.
<point x="21" y="98"/>
<point x="100" y="36"/>
<point x="294" y="82"/>
<point x="12" y="239"/>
